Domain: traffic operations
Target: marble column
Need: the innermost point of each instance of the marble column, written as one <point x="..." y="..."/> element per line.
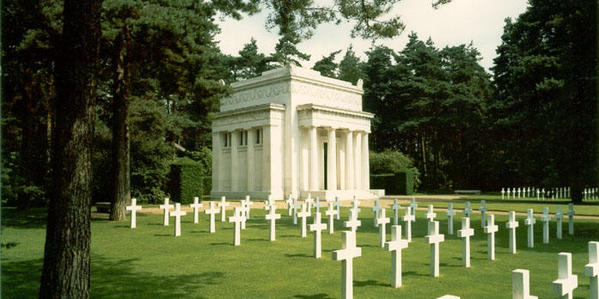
<point x="266" y="158"/>
<point x="313" y="159"/>
<point x="358" y="161"/>
<point x="234" y="161"/>
<point x="250" y="159"/>
<point x="216" y="160"/>
<point x="341" y="164"/>
<point x="349" y="160"/>
<point x="332" y="160"/>
<point x="305" y="159"/>
<point x="365" y="163"/>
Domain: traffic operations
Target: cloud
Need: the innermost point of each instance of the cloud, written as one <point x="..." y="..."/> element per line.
<point x="459" y="22"/>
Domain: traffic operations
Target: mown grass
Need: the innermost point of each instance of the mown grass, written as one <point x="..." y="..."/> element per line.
<point x="149" y="261"/>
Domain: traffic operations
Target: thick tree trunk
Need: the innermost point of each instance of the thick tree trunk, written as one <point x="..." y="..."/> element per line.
<point x="66" y="271"/>
<point x="121" y="193"/>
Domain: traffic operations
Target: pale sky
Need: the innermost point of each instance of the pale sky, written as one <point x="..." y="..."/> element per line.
<point x="459" y="22"/>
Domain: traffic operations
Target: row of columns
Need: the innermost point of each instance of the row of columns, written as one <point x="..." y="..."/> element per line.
<point x="354" y="168"/>
<point x="251" y="170"/>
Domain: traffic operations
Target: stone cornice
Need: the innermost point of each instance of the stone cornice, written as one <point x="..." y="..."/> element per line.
<point x="246" y="110"/>
<point x="313" y="107"/>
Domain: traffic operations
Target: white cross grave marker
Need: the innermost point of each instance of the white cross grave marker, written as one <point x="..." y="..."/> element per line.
<point x="317" y="205"/>
<point x="272" y="216"/>
<point x="331" y="212"/>
<point x="296" y="206"/>
<point x="430" y="214"/>
<point x="303" y="214"/>
<point x="465" y="233"/>
<point x="450" y="213"/>
<point x="591" y="270"/>
<point x="355" y="208"/>
<point x="512" y="224"/>
<point x="413" y="206"/>
<point x="571" y="219"/>
<point x="317" y="227"/>
<point x="133" y="208"/>
<point x="376" y="209"/>
<point x="223" y="204"/>
<point x="519" y="193"/>
<point x="238" y="217"/>
<point x="491" y="229"/>
<point x="244" y="212"/>
<point x="483" y="209"/>
<point x="289" y="203"/>
<point x="212" y="211"/>
<point x="559" y="216"/>
<point x="543" y="193"/>
<point x="508" y="193"/>
<point x="521" y="284"/>
<point x="337" y="205"/>
<point x="353" y="222"/>
<point x="395" y="208"/>
<point x="502" y="193"/>
<point x="530" y="222"/>
<point x="346" y="255"/>
<point x="196" y="207"/>
<point x="566" y="282"/>
<point x="177" y="214"/>
<point x="382" y="223"/>
<point x="309" y="201"/>
<point x="434" y="238"/>
<point x="545" y="219"/>
<point x="395" y="246"/>
<point x="408" y="219"/>
<point x="467" y="210"/>
<point x="248" y="205"/>
<point x="166" y="207"/>
<point x="538" y="192"/>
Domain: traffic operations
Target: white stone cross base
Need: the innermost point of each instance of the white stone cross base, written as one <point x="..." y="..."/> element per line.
<point x="591" y="270"/>
<point x="521" y="285"/>
<point x="566" y="282"/>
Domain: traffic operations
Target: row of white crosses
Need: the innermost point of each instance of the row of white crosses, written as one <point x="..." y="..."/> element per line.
<point x="590" y="193"/>
<point x="566" y="282"/>
<point x="530" y="192"/>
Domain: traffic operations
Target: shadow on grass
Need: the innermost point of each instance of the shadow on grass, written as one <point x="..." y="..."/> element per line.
<point x="370" y="282"/>
<point x="110" y="278"/>
<point x="315" y="296"/>
<point x="30" y="218"/>
<point x="297" y="255"/>
<point x="21" y="279"/>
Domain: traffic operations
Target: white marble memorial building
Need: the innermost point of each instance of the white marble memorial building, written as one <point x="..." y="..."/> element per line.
<point x="291" y="131"/>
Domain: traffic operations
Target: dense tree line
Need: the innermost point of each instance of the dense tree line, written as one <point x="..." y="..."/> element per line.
<point x="532" y="122"/>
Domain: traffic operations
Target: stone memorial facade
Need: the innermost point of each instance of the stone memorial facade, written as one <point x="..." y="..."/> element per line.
<point x="293" y="132"/>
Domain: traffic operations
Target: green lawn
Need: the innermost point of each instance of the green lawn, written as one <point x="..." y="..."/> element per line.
<point x="149" y="261"/>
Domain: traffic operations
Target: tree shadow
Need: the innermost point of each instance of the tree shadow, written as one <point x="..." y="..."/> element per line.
<point x="221" y="243"/>
<point x="29" y="218"/>
<point x="414" y="273"/>
<point x="117" y="279"/>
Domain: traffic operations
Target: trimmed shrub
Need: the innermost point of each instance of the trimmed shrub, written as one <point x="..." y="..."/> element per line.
<point x="395" y="162"/>
<point x="401" y="183"/>
<point x="185" y="180"/>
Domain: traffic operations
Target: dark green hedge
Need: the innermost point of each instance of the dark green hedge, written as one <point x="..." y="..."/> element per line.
<point x="186" y="181"/>
<point x="401" y="183"/>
